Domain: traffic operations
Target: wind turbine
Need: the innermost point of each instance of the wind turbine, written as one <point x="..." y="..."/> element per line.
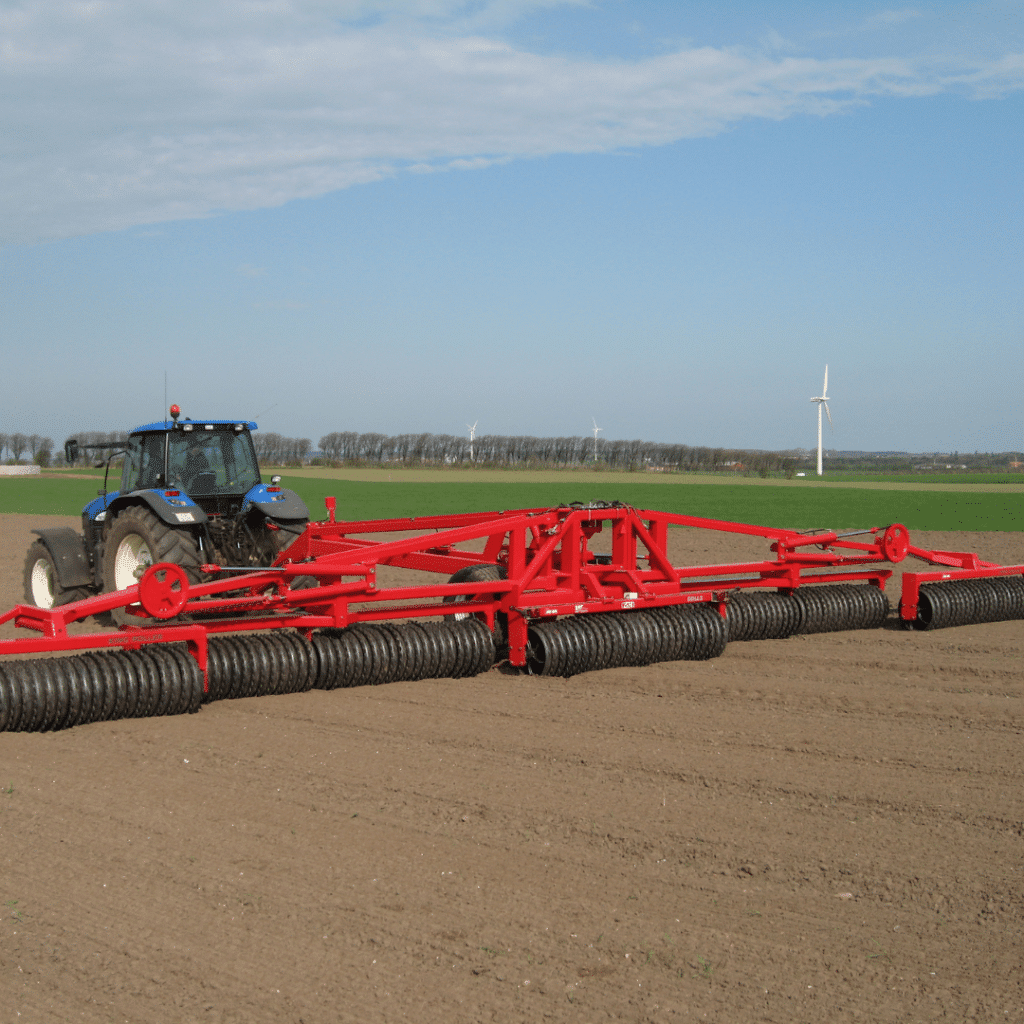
<point x="472" y="435"/>
<point x="822" y="401"/>
<point x="596" y="429"/>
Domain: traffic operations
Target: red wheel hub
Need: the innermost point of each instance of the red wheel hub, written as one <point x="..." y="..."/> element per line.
<point x="163" y="590"/>
<point x="895" y="542"/>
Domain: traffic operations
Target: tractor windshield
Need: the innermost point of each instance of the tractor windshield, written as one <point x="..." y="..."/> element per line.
<point x="220" y="460"/>
<point x="212" y="462"/>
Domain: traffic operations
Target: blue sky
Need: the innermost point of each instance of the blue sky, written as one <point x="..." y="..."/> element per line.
<point x="410" y="215"/>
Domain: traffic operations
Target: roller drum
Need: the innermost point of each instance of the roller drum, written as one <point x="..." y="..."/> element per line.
<point x="35" y="698"/>
<point x="190" y="678"/>
<point x="487" y="647"/>
<point x="968" y="601"/>
<point x="217" y="680"/>
<point x="462" y="644"/>
<point x="668" y="632"/>
<point x="661" y="640"/>
<point x="275" y="672"/>
<point x="326" y="663"/>
<point x="603" y="649"/>
<point x="449" y="651"/>
<point x="118" y="681"/>
<point x="282" y="669"/>
<point x="544" y="650"/>
<point x="61" y="692"/>
<point x="480" y="643"/>
<point x="400" y="653"/>
<point x="10" y="699"/>
<point x="426" y="664"/>
<point x="762" y="616"/>
<point x="570" y="640"/>
<point x="305" y="659"/>
<point x="357" y="657"/>
<point x="91" y="682"/>
<point x="617" y="643"/>
<point x="247" y="656"/>
<point x="712" y="632"/>
<point x="931" y="607"/>
<point x="415" y="642"/>
<point x="170" y="682"/>
<point x="632" y="639"/>
<point x="837" y="607"/>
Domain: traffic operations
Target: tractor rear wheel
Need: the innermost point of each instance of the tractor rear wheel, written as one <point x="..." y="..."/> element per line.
<point x="258" y="541"/>
<point x="286" y="534"/>
<point x="138" y="539"/>
<point x="283" y="537"/>
<point x="42" y="585"/>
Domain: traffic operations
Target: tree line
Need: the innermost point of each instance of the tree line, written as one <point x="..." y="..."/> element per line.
<point x="495" y="450"/>
<point x="15" y="447"/>
<point x="527" y="452"/>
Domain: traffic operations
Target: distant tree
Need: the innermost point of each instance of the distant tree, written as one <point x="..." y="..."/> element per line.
<point x="297" y="449"/>
<point x="17" y="443"/>
<point x="43" y="454"/>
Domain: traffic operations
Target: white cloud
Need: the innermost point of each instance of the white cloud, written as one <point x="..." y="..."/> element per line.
<point x="116" y="114"/>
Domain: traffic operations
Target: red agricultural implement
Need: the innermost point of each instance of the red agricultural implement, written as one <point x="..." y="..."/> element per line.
<point x="554" y="591"/>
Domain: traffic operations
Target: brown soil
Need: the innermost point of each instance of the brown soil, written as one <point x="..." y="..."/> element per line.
<point x="826" y="828"/>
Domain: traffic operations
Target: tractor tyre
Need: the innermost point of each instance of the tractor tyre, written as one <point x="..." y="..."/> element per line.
<point x="136" y="540"/>
<point x="286" y="534"/>
<point x="284" y="537"/>
<point x="42" y="585"/>
<point x="262" y="540"/>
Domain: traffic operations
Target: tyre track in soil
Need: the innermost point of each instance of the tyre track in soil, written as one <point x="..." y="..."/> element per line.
<point x="823" y="828"/>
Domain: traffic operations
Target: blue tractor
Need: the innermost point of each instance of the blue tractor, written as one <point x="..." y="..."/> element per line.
<point x="191" y="493"/>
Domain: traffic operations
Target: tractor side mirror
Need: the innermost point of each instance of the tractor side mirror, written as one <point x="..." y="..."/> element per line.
<point x="71" y="451"/>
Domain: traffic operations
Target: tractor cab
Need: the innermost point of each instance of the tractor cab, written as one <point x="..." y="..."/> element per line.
<point x="204" y="459"/>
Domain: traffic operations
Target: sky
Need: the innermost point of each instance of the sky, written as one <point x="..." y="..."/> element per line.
<point x="413" y="215"/>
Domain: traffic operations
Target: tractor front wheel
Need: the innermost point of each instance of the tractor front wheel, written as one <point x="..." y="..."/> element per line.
<point x="136" y="540"/>
<point x="42" y="584"/>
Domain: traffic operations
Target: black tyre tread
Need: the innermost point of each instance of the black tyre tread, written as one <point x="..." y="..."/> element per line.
<point x="287" y="532"/>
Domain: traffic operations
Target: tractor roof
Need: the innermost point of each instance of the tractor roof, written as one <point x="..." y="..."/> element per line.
<point x="166" y="426"/>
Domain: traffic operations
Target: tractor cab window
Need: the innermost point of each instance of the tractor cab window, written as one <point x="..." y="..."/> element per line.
<point x="143" y="463"/>
<point x="212" y="462"/>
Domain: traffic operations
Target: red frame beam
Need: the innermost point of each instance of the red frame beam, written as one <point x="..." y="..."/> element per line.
<point x="550" y="568"/>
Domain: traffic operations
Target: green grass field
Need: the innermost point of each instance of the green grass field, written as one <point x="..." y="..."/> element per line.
<point x="976" y="479"/>
<point x="766" y="506"/>
<point x="45" y="495"/>
<point x="783" y="506"/>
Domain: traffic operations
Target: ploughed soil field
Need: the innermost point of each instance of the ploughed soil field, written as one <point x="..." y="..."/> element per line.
<point x="824" y="828"/>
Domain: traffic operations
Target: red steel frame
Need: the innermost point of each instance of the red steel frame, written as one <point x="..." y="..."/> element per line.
<point x="550" y="568"/>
